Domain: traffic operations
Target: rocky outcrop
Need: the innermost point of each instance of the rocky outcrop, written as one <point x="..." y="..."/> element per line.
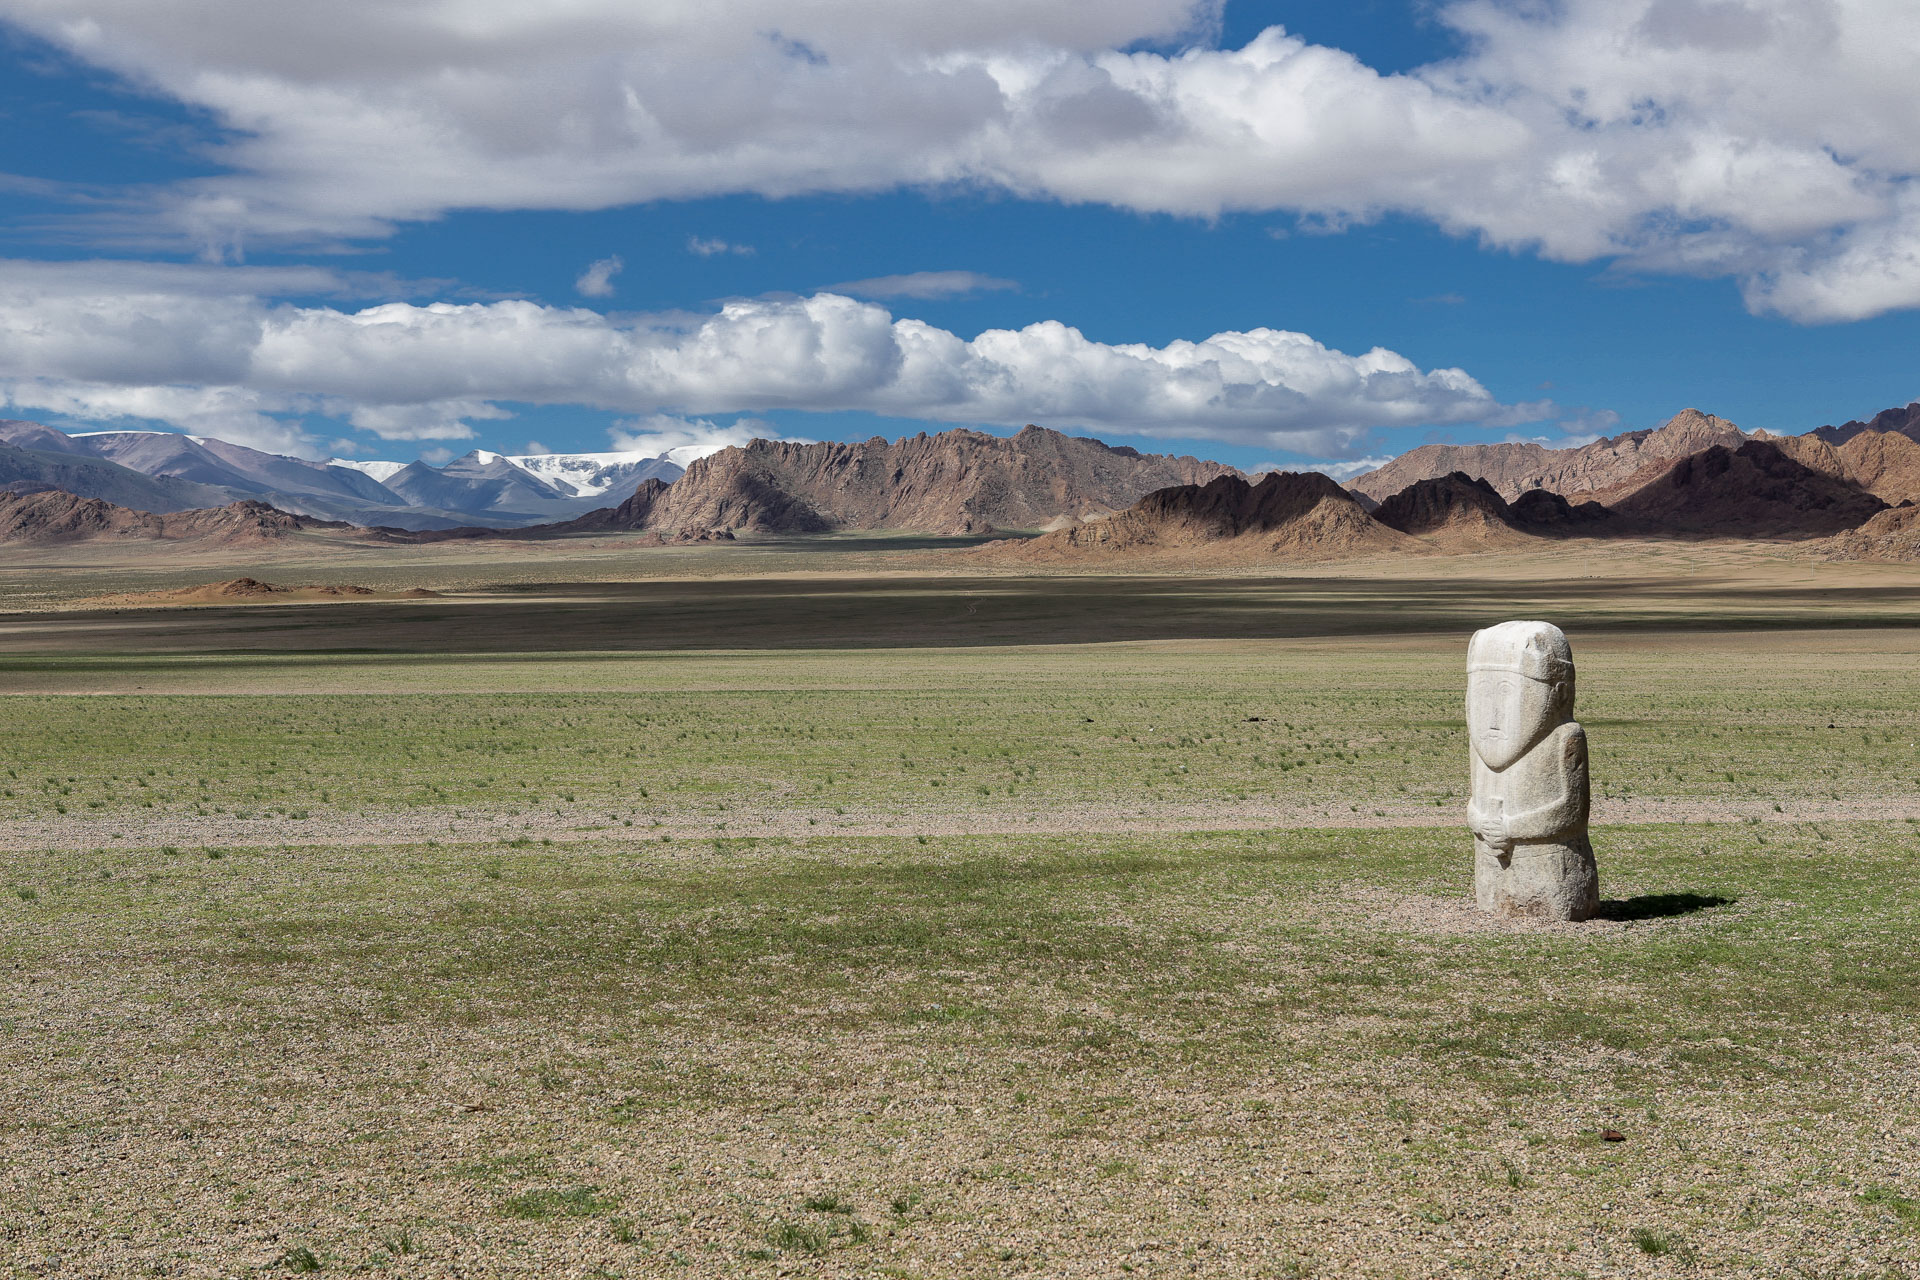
<point x="956" y="482"/>
<point x="1615" y="463"/>
<point x="1286" y="516"/>
<point x="1894" y="534"/>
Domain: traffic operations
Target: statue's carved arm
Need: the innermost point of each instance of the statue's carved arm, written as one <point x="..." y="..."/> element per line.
<point x="1566" y="810"/>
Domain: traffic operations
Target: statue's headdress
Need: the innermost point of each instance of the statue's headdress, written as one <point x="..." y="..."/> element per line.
<point x="1536" y="650"/>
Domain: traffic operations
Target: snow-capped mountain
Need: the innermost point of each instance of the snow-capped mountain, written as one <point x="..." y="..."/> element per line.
<point x="592" y="475"/>
<point x="381" y="471"/>
<point x="480" y="488"/>
<point x="521" y="487"/>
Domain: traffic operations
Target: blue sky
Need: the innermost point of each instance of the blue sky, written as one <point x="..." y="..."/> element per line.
<point x="195" y="223"/>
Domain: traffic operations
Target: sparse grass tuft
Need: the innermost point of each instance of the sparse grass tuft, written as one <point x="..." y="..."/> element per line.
<point x="298" y="1259"/>
<point x="571" y="1202"/>
<point x="1905" y="1208"/>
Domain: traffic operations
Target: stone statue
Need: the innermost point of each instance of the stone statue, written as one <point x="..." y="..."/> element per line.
<point x="1528" y="813"/>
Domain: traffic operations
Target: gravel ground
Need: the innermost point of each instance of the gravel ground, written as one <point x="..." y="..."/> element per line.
<point x="582" y="823"/>
<point x="190" y="1092"/>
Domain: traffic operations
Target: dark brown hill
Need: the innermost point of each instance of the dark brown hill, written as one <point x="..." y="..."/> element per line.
<point x="1883" y="463"/>
<point x="1754" y="491"/>
<point x="1286" y="516"/>
<point x="1539" y="511"/>
<point x="54" y="516"/>
<point x="1458" y="506"/>
<point x="1513" y="469"/>
<point x="1463" y="510"/>
<point x="955" y="482"/>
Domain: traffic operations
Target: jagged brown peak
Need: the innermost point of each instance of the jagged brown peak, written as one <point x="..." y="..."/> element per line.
<point x="1286" y="516"/>
<point x="55" y="516"/>
<point x="1756" y="491"/>
<point x="1904" y="421"/>
<point x="958" y="481"/>
<point x="1613" y="464"/>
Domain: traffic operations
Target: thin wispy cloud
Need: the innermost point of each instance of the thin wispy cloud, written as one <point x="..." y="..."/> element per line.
<point x="597" y="280"/>
<point x="923" y="285"/>
<point x="709" y="248"/>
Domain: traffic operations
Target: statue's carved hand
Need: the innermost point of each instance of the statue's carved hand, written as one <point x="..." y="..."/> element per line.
<point x="1491" y="827"/>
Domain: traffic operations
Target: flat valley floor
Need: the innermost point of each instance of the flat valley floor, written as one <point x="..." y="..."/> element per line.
<point x="843" y="909"/>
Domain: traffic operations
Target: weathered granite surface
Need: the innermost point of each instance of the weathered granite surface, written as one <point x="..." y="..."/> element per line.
<point x="1528" y="813"/>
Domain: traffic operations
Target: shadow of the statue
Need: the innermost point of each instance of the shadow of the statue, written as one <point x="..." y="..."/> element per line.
<point x="1659" y="906"/>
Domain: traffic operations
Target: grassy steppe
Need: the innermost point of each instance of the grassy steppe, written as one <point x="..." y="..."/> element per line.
<point x="739" y="742"/>
<point x="315" y="957"/>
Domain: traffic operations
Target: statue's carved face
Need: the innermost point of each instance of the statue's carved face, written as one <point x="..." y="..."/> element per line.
<point x="1506" y="714"/>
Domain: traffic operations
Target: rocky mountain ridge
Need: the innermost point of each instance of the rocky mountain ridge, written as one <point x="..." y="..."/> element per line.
<point x="52" y="516"/>
<point x="1612" y="464"/>
<point x="955" y="482"/>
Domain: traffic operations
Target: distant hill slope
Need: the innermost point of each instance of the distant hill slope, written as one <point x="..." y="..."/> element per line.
<point x="1286" y="516"/>
<point x="50" y="516"/>
<point x="231" y="466"/>
<point x="26" y="469"/>
<point x="1512" y="469"/>
<point x="1754" y="491"/>
<point x="955" y="482"/>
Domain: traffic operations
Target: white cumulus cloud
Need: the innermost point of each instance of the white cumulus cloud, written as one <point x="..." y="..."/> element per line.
<point x="96" y="341"/>
<point x="1770" y="141"/>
